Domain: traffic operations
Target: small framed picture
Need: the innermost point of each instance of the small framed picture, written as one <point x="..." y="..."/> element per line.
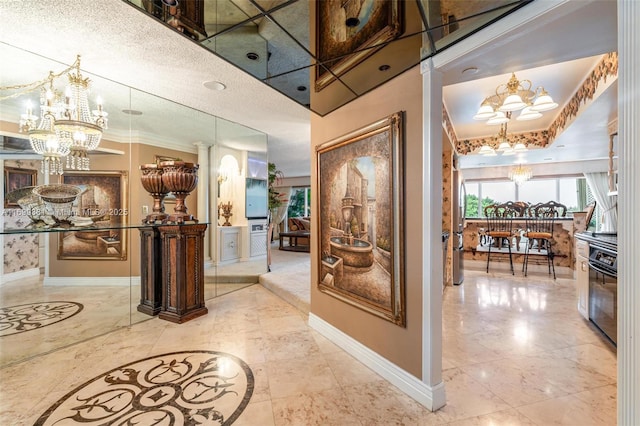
<point x="14" y="179"/>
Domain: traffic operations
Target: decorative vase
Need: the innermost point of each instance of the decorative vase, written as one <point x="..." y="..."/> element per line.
<point x="58" y="200"/>
<point x="226" y="212"/>
<point x="180" y="178"/>
<point x="151" y="179"/>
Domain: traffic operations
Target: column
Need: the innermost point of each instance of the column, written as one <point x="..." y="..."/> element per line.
<point x="182" y="272"/>
<point x="628" y="205"/>
<point x="203" y="193"/>
<point x="431" y="232"/>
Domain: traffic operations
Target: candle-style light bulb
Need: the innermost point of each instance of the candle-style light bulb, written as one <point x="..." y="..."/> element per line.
<point x="99" y="102"/>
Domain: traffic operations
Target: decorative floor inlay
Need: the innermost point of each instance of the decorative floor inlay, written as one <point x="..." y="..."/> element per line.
<point x="31" y="316"/>
<point x="179" y="388"/>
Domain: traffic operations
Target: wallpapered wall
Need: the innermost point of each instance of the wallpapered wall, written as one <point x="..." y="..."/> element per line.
<point x="21" y="251"/>
<point x="447" y="159"/>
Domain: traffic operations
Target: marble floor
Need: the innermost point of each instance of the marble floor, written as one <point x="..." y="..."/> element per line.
<point x="516" y="352"/>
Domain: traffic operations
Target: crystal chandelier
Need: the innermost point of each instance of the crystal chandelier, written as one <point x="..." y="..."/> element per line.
<point x="520" y="174"/>
<point x="516" y="95"/>
<point x="42" y="135"/>
<point x="67" y="128"/>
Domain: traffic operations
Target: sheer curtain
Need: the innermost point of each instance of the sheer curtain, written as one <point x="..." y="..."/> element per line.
<point x="280" y="213"/>
<point x="599" y="185"/>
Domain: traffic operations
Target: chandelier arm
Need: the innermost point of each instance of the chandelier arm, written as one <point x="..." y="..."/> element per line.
<point x="33" y="86"/>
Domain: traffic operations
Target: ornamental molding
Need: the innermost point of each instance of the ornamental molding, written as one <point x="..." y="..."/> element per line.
<point x="606" y="68"/>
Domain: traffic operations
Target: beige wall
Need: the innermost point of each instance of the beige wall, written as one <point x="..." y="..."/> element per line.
<point x="402" y="346"/>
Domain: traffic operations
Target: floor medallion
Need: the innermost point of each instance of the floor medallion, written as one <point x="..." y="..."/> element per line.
<point x="31" y="316"/>
<point x="179" y="388"/>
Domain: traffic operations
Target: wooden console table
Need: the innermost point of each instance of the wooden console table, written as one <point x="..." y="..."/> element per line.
<point x="293" y="241"/>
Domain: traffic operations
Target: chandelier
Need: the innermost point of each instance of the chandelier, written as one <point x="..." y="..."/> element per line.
<point x="67" y="127"/>
<point x="520" y="174"/>
<point x="504" y="147"/>
<point x="516" y="95"/>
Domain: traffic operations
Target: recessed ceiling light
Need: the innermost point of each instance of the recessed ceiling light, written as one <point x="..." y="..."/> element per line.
<point x="481" y="164"/>
<point x="384" y="67"/>
<point x="132" y="112"/>
<point x="469" y="71"/>
<point x="559" y="146"/>
<point x="253" y="56"/>
<point x="548" y="159"/>
<point x="214" y="85"/>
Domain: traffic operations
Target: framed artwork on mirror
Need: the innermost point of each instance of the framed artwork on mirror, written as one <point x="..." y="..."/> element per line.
<point x="350" y="31"/>
<point x="104" y="200"/>
<point x="14" y="179"/>
<point x="360" y="221"/>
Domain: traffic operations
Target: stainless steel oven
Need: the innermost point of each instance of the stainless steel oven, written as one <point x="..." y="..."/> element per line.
<point x="603" y="289"/>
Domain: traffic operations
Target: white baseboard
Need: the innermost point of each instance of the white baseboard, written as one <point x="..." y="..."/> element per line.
<point x="18" y="275"/>
<point x="432" y="397"/>
<point x="92" y="281"/>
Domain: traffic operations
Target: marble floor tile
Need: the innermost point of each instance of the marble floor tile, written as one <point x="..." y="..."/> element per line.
<point x="466" y="397"/>
<point x="300" y="375"/>
<point x="587" y="409"/>
<point x="516" y="352"/>
<point x="329" y="407"/>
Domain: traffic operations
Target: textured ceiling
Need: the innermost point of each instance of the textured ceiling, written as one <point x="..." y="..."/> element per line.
<point x="121" y="43"/>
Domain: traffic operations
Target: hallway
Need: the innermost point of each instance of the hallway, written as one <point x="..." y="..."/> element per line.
<point x="515" y="352"/>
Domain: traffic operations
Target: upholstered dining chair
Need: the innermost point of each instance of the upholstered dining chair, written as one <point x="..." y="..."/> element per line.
<point x="499" y="228"/>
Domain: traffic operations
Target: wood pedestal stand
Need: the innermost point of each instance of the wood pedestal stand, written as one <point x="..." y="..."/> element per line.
<point x="150" y="271"/>
<point x="182" y="257"/>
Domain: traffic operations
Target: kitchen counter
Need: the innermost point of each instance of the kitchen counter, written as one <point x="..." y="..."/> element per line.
<point x="608" y="241"/>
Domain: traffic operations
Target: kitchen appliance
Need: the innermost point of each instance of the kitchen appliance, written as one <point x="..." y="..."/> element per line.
<point x="459" y="197"/>
<point x="603" y="284"/>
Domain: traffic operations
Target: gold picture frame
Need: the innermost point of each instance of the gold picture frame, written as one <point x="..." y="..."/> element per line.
<point x="104" y="198"/>
<point x="360" y="223"/>
<point x="16" y="178"/>
<point x="349" y="32"/>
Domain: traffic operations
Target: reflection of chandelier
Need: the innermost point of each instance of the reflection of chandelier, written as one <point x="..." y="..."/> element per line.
<point x="520" y="174"/>
<point x="67" y="128"/>
<point x="516" y="95"/>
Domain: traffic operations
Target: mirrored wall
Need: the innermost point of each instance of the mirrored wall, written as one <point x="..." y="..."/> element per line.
<point x="72" y="280"/>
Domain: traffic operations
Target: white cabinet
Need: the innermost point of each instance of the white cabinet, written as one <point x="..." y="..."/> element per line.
<point x="258" y="237"/>
<point x="229" y="239"/>
<point x="582" y="277"/>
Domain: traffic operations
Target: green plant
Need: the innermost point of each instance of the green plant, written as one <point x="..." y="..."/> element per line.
<point x="275" y="177"/>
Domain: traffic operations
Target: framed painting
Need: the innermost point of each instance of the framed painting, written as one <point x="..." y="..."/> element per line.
<point x="360" y="221"/>
<point x="350" y="31"/>
<point x="104" y="200"/>
<point x="14" y="179"/>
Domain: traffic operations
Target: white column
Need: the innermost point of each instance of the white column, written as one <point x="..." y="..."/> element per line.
<point x="432" y="232"/>
<point x="628" y="206"/>
<point x="203" y="195"/>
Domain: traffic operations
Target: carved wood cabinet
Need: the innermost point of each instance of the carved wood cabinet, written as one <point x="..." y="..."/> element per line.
<point x="172" y="271"/>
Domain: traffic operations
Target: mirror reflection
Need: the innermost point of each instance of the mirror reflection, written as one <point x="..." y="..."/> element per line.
<point x="76" y="274"/>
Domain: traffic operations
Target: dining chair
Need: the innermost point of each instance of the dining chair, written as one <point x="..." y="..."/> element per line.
<point x="539" y="228"/>
<point x="499" y="228"/>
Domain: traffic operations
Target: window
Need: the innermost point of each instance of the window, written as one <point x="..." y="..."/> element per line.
<point x="300" y="202"/>
<point x="563" y="190"/>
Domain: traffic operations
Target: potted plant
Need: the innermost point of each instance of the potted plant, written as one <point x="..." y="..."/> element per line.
<point x="275" y="177"/>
